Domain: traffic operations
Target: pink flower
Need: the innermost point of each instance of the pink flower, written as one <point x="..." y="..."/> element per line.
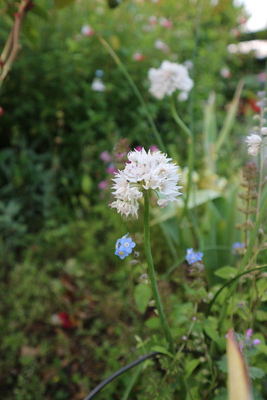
<point x="241" y="19"/>
<point x="153" y="20"/>
<point x="105" y="156"/>
<point x="111" y="169"/>
<point x="103" y="185"/>
<point x="138" y="148"/>
<point x="166" y="23"/>
<point x="87" y="30"/>
<point x="249" y="334"/>
<point x="153" y="148"/>
<point x="138" y="57"/>
<point x="255" y="342"/>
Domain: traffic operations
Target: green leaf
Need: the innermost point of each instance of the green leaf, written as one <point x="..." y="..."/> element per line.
<point x="230" y="118"/>
<point x="222" y="395"/>
<point x="40" y="12"/>
<point x="190" y="367"/>
<point x="261" y="315"/>
<point x="256" y="373"/>
<point x="86" y="184"/>
<point x="142" y="296"/>
<point x="162" y="350"/>
<point x="62" y="3"/>
<point x="153" y="323"/>
<point x="226" y="272"/>
<point x="210" y="132"/>
<point x="210" y="330"/>
<point x="222" y="364"/>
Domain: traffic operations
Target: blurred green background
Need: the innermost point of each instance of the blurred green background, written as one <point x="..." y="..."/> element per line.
<point x="68" y="315"/>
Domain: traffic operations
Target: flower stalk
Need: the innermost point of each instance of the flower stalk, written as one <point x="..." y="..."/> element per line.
<point x="152" y="275"/>
<point x="190" y="141"/>
<point x="136" y="92"/>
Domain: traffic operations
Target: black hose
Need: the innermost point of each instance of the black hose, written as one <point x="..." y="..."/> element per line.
<point x="119" y="372"/>
<point x="131" y="365"/>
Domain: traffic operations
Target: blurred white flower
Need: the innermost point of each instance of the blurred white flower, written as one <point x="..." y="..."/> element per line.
<point x="98" y="85"/>
<point x="183" y="96"/>
<point x="144" y="171"/>
<point x="264" y="131"/>
<point x="169" y="78"/>
<point x="254" y="142"/>
<point x="160" y="45"/>
<point x="87" y="30"/>
<point x="188" y="64"/>
<point x="225" y="73"/>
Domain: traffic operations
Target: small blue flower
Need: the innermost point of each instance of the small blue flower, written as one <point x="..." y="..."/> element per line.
<point x="124" y="246"/>
<point x="237" y="248"/>
<point x="193" y="257"/>
<point x="99" y="73"/>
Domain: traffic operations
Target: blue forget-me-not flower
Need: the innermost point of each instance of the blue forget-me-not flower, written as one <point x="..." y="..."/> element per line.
<point x="193" y="257"/>
<point x="124" y="246"/>
<point x="238" y="248"/>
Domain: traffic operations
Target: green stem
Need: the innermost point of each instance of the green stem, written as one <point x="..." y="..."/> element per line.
<point x="253" y="237"/>
<point x="179" y="121"/>
<point x="229" y="283"/>
<point x="152" y="274"/>
<point x="136" y="91"/>
<point x="190" y="157"/>
<point x="260" y="164"/>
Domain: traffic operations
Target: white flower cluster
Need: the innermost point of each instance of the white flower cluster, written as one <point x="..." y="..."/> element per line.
<point x="145" y="171"/>
<point x="169" y="78"/>
<point x="254" y="143"/>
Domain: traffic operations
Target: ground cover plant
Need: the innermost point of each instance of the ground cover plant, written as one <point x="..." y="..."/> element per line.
<point x="133" y="206"/>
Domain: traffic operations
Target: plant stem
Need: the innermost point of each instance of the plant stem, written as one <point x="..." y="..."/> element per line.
<point x="190" y="157"/>
<point x="253" y="237"/>
<point x="260" y="166"/>
<point x="152" y="274"/>
<point x="136" y="91"/>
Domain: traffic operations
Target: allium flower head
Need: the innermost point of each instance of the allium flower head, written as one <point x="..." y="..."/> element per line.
<point x="124" y="246"/>
<point x="144" y="171"/>
<point x="193" y="257"/>
<point x="169" y="78"/>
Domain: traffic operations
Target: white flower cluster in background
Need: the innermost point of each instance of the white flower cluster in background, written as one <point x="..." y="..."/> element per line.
<point x="169" y="78"/>
<point x="144" y="171"/>
<point x="257" y="138"/>
<point x="254" y="143"/>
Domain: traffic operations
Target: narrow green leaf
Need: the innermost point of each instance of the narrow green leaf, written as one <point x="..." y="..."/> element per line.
<point x="230" y="118"/>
